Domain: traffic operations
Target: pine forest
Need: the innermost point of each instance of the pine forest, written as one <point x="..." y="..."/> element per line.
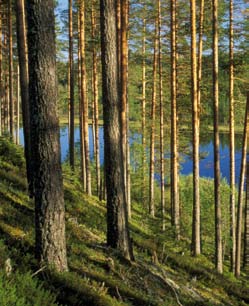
<point x="124" y="152"/>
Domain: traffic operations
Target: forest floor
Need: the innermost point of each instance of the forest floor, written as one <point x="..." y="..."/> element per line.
<point x="164" y="273"/>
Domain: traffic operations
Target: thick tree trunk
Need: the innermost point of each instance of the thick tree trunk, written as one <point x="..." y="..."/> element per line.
<point x="47" y="173"/>
<point x="71" y="87"/>
<point x="11" y="100"/>
<point x="24" y="82"/>
<point x="232" y="141"/>
<point x="84" y="100"/>
<point x="196" y="228"/>
<point x="218" y="221"/>
<point x="117" y="217"/>
<point x="241" y="192"/>
<point x="175" y="201"/>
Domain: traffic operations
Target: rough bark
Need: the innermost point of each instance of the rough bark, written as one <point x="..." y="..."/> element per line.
<point x="24" y="82"/>
<point x="196" y="231"/>
<point x="71" y="87"/>
<point x="47" y="173"/>
<point x="117" y="217"/>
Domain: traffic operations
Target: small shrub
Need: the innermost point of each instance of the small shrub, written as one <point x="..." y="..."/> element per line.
<point x="24" y="290"/>
<point x="10" y="152"/>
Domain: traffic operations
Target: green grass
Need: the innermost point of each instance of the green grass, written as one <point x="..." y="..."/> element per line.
<point x="163" y="272"/>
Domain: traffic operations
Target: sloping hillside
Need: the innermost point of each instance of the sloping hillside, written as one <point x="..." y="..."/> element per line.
<point x="164" y="273"/>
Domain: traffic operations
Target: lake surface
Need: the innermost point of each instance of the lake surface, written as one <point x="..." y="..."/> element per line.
<point x="186" y="164"/>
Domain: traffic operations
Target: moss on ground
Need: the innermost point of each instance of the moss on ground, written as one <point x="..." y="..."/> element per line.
<point x="164" y="272"/>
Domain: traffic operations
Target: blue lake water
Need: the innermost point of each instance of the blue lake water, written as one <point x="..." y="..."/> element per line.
<point x="186" y="164"/>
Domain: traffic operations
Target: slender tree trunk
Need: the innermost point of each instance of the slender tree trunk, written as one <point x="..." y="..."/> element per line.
<point x="11" y="101"/>
<point x="96" y="97"/>
<point x="128" y="154"/>
<point x="218" y="221"/>
<point x="144" y="109"/>
<point x="117" y="217"/>
<point x="6" y="112"/>
<point x="47" y="172"/>
<point x="246" y="230"/>
<point x="24" y="82"/>
<point x="93" y="120"/>
<point x="17" y="106"/>
<point x="232" y="141"/>
<point x="152" y="132"/>
<point x="199" y="64"/>
<point x="124" y="87"/>
<point x="161" y="114"/>
<point x="196" y="232"/>
<point x="71" y="77"/>
<point x="82" y="147"/>
<point x="84" y="96"/>
<point x="1" y="61"/>
<point x="241" y="192"/>
<point x="68" y="101"/>
<point x="175" y="201"/>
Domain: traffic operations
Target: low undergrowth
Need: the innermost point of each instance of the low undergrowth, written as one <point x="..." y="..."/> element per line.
<point x="164" y="272"/>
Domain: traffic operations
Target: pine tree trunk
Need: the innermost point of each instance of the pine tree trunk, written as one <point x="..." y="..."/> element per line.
<point x="17" y="106"/>
<point x="175" y="202"/>
<point x="161" y="115"/>
<point x="82" y="147"/>
<point x="123" y="87"/>
<point x="71" y="87"/>
<point x="1" y="77"/>
<point x="246" y="230"/>
<point x="11" y="100"/>
<point x="84" y="96"/>
<point x="144" y="111"/>
<point x="47" y="172"/>
<point x="241" y="192"/>
<point x="152" y="131"/>
<point x="218" y="221"/>
<point x="96" y="97"/>
<point x="232" y="141"/>
<point x="117" y="217"/>
<point x="24" y="86"/>
<point x="196" y="233"/>
<point x="200" y="47"/>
